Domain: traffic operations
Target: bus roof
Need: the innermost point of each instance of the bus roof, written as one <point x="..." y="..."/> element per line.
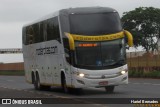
<point x="87" y="10"/>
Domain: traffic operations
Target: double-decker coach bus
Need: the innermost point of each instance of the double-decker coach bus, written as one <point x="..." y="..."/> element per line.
<point x="76" y="48"/>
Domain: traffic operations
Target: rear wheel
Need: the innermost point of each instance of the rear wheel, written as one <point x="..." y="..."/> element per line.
<point x="33" y="78"/>
<point x="37" y="84"/>
<point x="109" y="89"/>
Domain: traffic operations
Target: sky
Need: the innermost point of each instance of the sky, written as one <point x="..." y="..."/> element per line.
<point x="16" y="13"/>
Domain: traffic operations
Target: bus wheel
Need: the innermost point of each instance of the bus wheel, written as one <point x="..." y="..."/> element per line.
<point x="78" y="91"/>
<point x="64" y="86"/>
<point x="109" y="89"/>
<point x="33" y="78"/>
<point x="37" y="85"/>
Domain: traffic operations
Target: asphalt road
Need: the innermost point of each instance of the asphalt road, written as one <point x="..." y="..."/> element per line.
<point x="16" y="87"/>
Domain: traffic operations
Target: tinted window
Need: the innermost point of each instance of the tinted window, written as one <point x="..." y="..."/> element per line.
<point x="24" y="35"/>
<point x="88" y="55"/>
<point x="95" y="24"/>
<point x="41" y="31"/>
<point x="34" y="33"/>
<point x="30" y="35"/>
<point x="53" y="29"/>
<point x="66" y="49"/>
<point x="100" y="54"/>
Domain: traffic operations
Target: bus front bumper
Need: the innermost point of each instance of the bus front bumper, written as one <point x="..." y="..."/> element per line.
<point x="82" y="82"/>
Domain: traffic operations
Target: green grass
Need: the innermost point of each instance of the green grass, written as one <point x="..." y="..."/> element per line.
<point x="12" y="73"/>
<point x="137" y="74"/>
<point x="143" y="74"/>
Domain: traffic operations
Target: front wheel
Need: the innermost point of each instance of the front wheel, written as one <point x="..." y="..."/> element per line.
<point x="109" y="89"/>
<point x="64" y="86"/>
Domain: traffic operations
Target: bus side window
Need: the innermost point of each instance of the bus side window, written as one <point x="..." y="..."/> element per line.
<point x="67" y="55"/>
<point x="67" y="50"/>
<point x="53" y="29"/>
<point x="24" y="36"/>
<point x="41" y="31"/>
<point x="38" y="37"/>
<point x="30" y="35"/>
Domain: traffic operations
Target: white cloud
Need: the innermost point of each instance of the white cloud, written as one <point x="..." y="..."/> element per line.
<point x="10" y="34"/>
<point x="15" y="13"/>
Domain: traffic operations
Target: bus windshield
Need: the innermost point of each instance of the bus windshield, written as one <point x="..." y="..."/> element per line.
<point x="100" y="54"/>
<point x="95" y="24"/>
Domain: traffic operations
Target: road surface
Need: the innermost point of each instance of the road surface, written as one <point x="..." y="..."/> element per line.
<point x="16" y="87"/>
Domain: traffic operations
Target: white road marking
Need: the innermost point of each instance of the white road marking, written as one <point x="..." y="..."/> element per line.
<point x="156" y="84"/>
<point x="147" y="83"/>
<point x="144" y="83"/>
<point x="135" y="83"/>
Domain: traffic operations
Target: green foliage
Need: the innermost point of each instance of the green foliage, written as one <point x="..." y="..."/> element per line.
<point x="144" y="24"/>
<point x="12" y="73"/>
<point x="136" y="73"/>
<point x="142" y="74"/>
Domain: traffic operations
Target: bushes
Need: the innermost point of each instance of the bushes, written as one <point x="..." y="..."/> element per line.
<point x="12" y="72"/>
<point x="144" y="74"/>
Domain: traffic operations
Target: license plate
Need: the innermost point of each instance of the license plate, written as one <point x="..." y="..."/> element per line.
<point x="103" y="83"/>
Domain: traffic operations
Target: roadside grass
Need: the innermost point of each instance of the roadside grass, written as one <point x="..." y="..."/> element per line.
<point x="131" y="73"/>
<point x="12" y="73"/>
<point x="144" y="74"/>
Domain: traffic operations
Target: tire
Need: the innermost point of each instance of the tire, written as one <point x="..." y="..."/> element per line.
<point x="64" y="86"/>
<point x="33" y="78"/>
<point x="37" y="85"/>
<point x="109" y="89"/>
<point x="78" y="91"/>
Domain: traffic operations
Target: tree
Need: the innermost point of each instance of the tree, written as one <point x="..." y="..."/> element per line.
<point x="144" y="24"/>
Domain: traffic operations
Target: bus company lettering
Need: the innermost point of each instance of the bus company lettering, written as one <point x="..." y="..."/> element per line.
<point x="97" y="38"/>
<point x="47" y="50"/>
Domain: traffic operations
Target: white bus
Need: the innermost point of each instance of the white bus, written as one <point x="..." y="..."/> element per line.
<point x="76" y="48"/>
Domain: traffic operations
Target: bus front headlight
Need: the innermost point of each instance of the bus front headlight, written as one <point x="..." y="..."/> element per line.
<point x="81" y="74"/>
<point x="123" y="72"/>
